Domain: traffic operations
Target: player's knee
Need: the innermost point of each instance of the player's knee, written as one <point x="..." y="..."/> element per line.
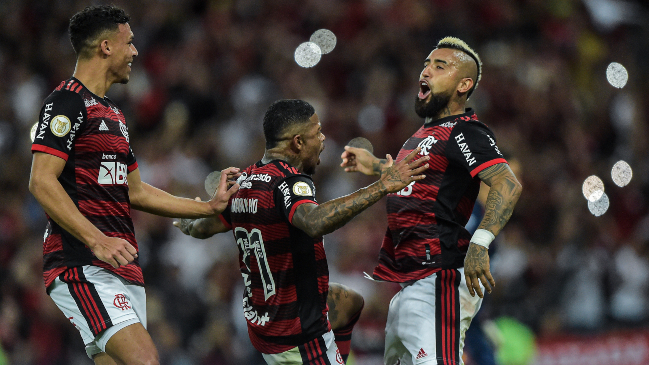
<point x="358" y="302"/>
<point x="348" y="302"/>
<point x="150" y="358"/>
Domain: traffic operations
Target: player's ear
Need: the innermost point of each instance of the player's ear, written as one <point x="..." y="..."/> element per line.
<point x="297" y="142"/>
<point x="465" y="85"/>
<point x="104" y="47"/>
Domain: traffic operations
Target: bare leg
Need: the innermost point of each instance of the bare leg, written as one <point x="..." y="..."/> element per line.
<point x="103" y="358"/>
<point x="132" y="345"/>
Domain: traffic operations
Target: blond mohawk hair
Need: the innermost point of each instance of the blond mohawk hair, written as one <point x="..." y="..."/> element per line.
<point x="457" y="43"/>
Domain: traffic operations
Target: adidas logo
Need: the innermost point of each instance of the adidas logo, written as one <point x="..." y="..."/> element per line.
<point x="421" y="354"/>
<point x="103" y="126"/>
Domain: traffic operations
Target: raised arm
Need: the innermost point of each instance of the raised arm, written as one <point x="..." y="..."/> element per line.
<point x="503" y="194"/>
<point x="317" y="220"/>
<point x="48" y="191"/>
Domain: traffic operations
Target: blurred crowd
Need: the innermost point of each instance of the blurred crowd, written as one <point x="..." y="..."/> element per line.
<point x="207" y="71"/>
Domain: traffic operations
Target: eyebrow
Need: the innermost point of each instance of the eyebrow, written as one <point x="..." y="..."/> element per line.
<point x="436" y="60"/>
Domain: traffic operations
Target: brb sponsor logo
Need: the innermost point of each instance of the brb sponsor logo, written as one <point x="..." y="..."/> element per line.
<point x="112" y="172"/>
<point x="121" y="302"/>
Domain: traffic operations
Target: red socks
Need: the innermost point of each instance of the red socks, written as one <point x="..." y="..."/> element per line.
<point x="343" y="336"/>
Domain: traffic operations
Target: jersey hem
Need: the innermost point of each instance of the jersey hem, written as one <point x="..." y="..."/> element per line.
<point x="396" y="277"/>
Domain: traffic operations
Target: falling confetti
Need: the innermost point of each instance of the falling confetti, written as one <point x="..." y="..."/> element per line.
<point x="621" y="173"/>
<point x="308" y="54"/>
<point x="593" y="188"/>
<point x="325" y="39"/>
<point x="617" y="75"/>
<point x="599" y="206"/>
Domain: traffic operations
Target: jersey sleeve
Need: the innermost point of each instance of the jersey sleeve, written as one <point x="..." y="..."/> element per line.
<point x="473" y="146"/>
<point x="60" y="120"/>
<point x="131" y="162"/>
<point x="293" y="192"/>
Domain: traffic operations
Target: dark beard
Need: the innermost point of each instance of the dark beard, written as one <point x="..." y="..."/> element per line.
<point x="432" y="108"/>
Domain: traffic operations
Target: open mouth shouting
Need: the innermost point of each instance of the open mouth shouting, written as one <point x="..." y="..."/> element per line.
<point x="424" y="90"/>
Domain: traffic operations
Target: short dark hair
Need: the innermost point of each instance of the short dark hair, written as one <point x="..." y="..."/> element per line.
<point x="90" y="23"/>
<point x="282" y="115"/>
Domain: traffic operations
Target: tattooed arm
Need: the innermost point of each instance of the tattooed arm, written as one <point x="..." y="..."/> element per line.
<point x="503" y="194"/>
<point x="317" y="220"/>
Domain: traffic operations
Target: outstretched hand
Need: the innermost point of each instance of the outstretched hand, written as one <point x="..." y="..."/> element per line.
<point x="476" y="270"/>
<point x="397" y="176"/>
<point x="361" y="160"/>
<point x="222" y="194"/>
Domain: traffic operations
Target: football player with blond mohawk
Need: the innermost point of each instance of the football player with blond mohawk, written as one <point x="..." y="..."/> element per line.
<point x="426" y="249"/>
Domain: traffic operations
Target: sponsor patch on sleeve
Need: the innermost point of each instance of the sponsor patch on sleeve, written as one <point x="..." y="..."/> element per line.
<point x="60" y="125"/>
<point x="302" y="189"/>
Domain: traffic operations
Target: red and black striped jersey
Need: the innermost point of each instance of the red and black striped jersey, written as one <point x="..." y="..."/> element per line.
<point x="90" y="134"/>
<point x="426" y="219"/>
<point x="284" y="270"/>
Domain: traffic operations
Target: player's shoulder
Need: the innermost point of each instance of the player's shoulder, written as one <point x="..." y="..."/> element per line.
<point x="469" y="123"/>
<point x="63" y="95"/>
<point x="280" y="169"/>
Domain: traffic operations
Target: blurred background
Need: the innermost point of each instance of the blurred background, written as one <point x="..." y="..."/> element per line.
<point x="572" y="281"/>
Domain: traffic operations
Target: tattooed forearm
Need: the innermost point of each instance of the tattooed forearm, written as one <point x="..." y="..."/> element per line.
<point x="503" y="195"/>
<point x="326" y="218"/>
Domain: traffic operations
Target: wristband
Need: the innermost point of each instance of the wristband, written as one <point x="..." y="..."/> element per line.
<point x="482" y="237"/>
